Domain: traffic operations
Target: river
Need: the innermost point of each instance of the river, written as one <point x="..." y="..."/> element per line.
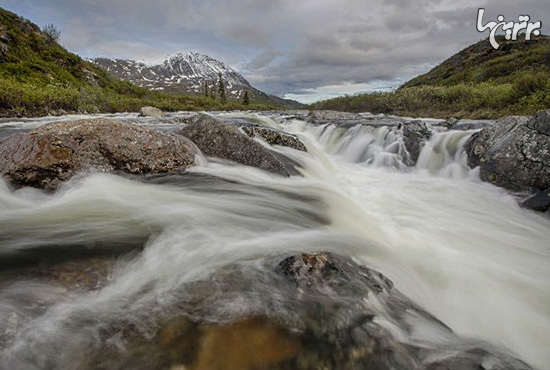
<point x="462" y="249"/>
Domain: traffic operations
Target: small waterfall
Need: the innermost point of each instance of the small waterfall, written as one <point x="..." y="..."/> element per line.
<point x="379" y="146"/>
<point x="444" y="155"/>
<point x="383" y="146"/>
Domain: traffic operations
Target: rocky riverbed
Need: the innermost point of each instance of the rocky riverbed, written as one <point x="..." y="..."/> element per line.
<point x="285" y="240"/>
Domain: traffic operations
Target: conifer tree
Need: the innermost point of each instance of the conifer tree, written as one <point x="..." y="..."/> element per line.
<point x="205" y="89"/>
<point x="221" y="89"/>
<point x="213" y="92"/>
<point x="246" y="99"/>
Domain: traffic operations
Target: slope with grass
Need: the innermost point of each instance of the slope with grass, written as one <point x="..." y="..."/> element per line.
<point x="40" y="77"/>
<point x="478" y="82"/>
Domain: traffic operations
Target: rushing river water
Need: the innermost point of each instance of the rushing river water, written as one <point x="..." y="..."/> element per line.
<point x="462" y="249"/>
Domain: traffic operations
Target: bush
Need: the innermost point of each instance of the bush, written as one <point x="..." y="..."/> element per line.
<point x="51" y="32"/>
<point x="531" y="83"/>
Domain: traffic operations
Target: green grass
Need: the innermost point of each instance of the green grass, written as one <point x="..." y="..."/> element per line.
<point x="483" y="100"/>
<point x="478" y="82"/>
<point x="23" y="99"/>
<point x="38" y="76"/>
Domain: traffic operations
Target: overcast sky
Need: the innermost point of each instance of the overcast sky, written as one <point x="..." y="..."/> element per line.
<point x="300" y="49"/>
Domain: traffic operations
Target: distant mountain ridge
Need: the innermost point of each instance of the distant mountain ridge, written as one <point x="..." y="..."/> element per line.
<point x="186" y="73"/>
<point x="39" y="77"/>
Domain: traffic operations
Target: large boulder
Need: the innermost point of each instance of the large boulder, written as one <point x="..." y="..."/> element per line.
<point x="357" y="313"/>
<point x="52" y="153"/>
<point x="305" y="311"/>
<point x="415" y="135"/>
<point x="150" y="112"/>
<point x="514" y="153"/>
<point x="223" y="140"/>
<point x="274" y="137"/>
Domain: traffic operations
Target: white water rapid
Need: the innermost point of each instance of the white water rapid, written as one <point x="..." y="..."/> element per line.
<point x="462" y="249"/>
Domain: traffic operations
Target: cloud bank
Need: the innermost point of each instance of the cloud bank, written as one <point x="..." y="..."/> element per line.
<point x="305" y="50"/>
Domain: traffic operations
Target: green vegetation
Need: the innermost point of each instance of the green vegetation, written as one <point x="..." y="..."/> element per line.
<point x="39" y="77"/>
<point x="221" y="89"/>
<point x="51" y="32"/>
<point x="478" y="82"/>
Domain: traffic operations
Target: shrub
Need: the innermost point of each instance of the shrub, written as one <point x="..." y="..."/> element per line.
<point x="51" y="32"/>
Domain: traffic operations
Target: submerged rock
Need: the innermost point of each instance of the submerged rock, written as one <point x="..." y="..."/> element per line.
<point x="274" y="137"/>
<point x="150" y="112"/>
<point x="52" y="153"/>
<point x="305" y="311"/>
<point x="539" y="202"/>
<point x="223" y="140"/>
<point x="514" y="153"/>
<point x="355" y="318"/>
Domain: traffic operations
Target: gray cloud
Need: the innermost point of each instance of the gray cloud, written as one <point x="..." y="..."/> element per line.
<point x="301" y="48"/>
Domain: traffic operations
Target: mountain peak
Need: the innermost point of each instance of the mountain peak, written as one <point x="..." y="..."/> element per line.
<point x="179" y="72"/>
<point x="187" y="72"/>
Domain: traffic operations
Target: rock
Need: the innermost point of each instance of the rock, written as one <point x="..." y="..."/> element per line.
<point x="415" y="135"/>
<point x="57" y="112"/>
<point x="253" y="343"/>
<point x="87" y="274"/>
<point x="317" y="116"/>
<point x="328" y="289"/>
<point x="150" y="112"/>
<point x="514" y="153"/>
<point x="52" y="153"/>
<point x="449" y="122"/>
<point x="469" y="125"/>
<point x="223" y="140"/>
<point x="539" y="202"/>
<point x="274" y="137"/>
<point x="540" y="122"/>
<point x="305" y="311"/>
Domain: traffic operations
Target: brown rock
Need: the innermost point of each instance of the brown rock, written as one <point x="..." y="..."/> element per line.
<point x="250" y="344"/>
<point x="54" y="152"/>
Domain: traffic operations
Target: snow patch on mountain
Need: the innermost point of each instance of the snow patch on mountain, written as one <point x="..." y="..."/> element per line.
<point x="184" y="72"/>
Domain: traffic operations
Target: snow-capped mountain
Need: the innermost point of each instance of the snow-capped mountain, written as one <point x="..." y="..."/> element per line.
<point x="187" y="73"/>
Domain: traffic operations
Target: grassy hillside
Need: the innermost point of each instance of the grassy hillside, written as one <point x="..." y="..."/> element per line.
<point x="39" y="77"/>
<point x="478" y="82"/>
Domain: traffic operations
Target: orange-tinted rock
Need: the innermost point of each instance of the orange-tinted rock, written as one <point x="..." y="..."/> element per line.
<point x="250" y="344"/>
<point x="54" y="152"/>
